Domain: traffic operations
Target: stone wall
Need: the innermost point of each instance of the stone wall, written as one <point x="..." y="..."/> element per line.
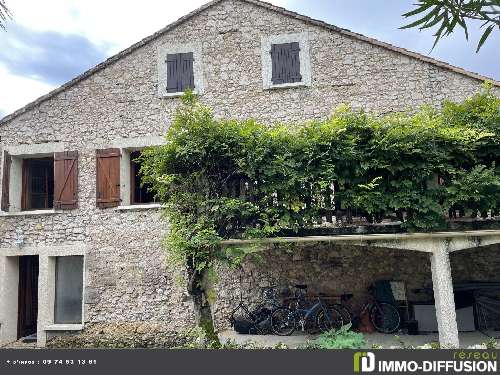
<point x="335" y="269"/>
<point x="121" y="335"/>
<point x="480" y="264"/>
<point x="328" y="269"/>
<point x="126" y="275"/>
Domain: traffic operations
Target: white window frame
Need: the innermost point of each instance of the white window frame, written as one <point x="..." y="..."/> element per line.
<point x="163" y="51"/>
<point x="267" y="63"/>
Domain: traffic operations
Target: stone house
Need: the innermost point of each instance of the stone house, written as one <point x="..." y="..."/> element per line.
<point x="80" y="240"/>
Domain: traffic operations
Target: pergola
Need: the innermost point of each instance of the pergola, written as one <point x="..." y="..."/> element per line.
<point x="439" y="246"/>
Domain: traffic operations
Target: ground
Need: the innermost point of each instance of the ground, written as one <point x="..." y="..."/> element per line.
<point x="467" y="339"/>
<point x="374" y="340"/>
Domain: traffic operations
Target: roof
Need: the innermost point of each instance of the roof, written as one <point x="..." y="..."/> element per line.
<point x="258" y="3"/>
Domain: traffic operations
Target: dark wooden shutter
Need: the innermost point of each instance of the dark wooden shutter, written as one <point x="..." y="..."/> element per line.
<point x="7" y="160"/>
<point x="66" y="180"/>
<point x="172" y="73"/>
<point x="180" y="75"/>
<point x="285" y="63"/>
<point x="108" y="177"/>
<point x="187" y="76"/>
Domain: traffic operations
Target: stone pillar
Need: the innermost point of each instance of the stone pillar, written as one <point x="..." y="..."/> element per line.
<point x="46" y="282"/>
<point x="9" y="291"/>
<point x="443" y="295"/>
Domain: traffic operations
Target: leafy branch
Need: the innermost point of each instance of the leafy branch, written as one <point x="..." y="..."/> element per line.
<point x="5" y="14"/>
<point x="448" y="14"/>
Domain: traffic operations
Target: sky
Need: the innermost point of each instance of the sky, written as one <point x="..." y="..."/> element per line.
<point x="52" y="41"/>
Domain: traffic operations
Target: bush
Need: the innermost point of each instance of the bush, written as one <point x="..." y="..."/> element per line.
<point x="342" y="338"/>
<point x="223" y="179"/>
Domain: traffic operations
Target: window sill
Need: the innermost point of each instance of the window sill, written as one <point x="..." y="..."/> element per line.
<point x="139" y="207"/>
<point x="177" y="94"/>
<point x="285" y="86"/>
<point x="30" y="213"/>
<point x="64" y="327"/>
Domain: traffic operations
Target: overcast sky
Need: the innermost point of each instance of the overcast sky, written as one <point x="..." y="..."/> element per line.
<point x="51" y="41"/>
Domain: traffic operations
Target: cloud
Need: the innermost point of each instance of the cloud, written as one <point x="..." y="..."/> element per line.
<point x="50" y="42"/>
<point x="16" y="91"/>
<point x="47" y="56"/>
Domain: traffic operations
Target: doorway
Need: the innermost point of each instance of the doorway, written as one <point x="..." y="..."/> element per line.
<point x="28" y="296"/>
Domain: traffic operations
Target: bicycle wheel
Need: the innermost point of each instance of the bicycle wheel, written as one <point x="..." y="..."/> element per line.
<point x="344" y="312"/>
<point x="385" y="317"/>
<point x="283" y="321"/>
<point x="328" y="319"/>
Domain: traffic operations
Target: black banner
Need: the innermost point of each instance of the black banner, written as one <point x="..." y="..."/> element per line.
<point x="242" y="362"/>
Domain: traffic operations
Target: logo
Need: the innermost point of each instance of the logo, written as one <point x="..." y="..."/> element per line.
<point x="364" y="362"/>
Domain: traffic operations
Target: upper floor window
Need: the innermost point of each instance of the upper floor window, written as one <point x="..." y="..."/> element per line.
<point x="34" y="178"/>
<point x="140" y="193"/>
<point x="179" y="68"/>
<point x="38" y="184"/>
<point x="118" y="180"/>
<point x="286" y="63"/>
<point x="180" y="75"/>
<point x="285" y="60"/>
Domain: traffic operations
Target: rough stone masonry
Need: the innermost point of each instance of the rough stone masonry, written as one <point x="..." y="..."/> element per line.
<point x="126" y="277"/>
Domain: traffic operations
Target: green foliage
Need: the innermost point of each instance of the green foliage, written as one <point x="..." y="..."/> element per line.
<point x="491" y="343"/>
<point x="197" y="338"/>
<point x="223" y="179"/>
<point x="447" y="14"/>
<point x="343" y="338"/>
<point x="435" y="345"/>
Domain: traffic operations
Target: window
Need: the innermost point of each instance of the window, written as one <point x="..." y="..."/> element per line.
<point x="38" y="184"/>
<point x="180" y="75"/>
<point x="68" y="290"/>
<point x="180" y="67"/>
<point x="140" y="194"/>
<point x="33" y="178"/>
<point x="286" y="63"/>
<point x="118" y="174"/>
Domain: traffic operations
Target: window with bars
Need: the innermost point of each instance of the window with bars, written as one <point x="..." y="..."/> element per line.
<point x="180" y="75"/>
<point x="38" y="184"/>
<point x="285" y="63"/>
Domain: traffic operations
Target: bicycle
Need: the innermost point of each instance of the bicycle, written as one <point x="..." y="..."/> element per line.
<point x="256" y="321"/>
<point x="384" y="316"/>
<point x="284" y="320"/>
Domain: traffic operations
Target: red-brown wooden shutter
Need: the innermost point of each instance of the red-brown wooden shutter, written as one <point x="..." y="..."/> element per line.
<point x="6" y="181"/>
<point x="66" y="180"/>
<point x="108" y="178"/>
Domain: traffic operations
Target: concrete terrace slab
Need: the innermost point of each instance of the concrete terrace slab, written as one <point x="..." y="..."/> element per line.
<point x="467" y="339"/>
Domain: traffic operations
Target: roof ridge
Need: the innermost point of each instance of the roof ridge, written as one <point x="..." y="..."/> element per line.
<point x="259" y="3"/>
<point x="374" y="41"/>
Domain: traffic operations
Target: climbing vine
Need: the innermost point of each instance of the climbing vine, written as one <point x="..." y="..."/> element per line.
<point x="222" y="179"/>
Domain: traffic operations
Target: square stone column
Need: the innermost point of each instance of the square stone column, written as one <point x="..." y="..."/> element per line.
<point x="443" y="295"/>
